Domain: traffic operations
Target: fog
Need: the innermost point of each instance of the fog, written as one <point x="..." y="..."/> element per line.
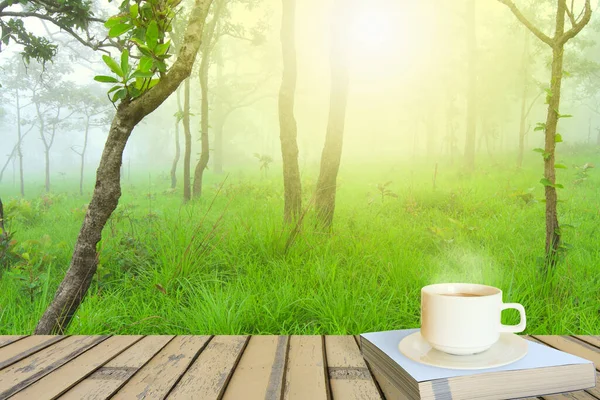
<point x="408" y="81"/>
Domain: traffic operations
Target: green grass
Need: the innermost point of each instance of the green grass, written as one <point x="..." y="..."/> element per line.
<point x="225" y="267"/>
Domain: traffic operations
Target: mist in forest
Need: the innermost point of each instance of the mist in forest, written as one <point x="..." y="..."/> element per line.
<point x="408" y="87"/>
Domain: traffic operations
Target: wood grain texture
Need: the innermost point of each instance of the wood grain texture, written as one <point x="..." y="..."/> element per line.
<point x="19" y="375"/>
<point x="210" y="373"/>
<point x="306" y="376"/>
<point x="155" y="379"/>
<point x="63" y="378"/>
<point x="573" y="346"/>
<point x="24" y="348"/>
<point x="593" y="340"/>
<point x="6" y="340"/>
<point x="261" y="370"/>
<point x="349" y="376"/>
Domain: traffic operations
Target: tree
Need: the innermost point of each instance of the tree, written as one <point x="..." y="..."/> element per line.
<point x="71" y="16"/>
<point x="187" y="154"/>
<point x="287" y="123"/>
<point x="95" y="115"/>
<point x="51" y="99"/>
<point x="178" y="117"/>
<point x="140" y="91"/>
<point x="551" y="137"/>
<point x="206" y="50"/>
<point x="332" y="150"/>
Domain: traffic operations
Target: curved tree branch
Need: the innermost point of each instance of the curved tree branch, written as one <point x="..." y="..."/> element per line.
<point x="541" y="35"/>
<point x="571" y="33"/>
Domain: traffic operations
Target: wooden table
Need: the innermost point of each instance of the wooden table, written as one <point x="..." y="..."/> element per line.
<point x="209" y="367"/>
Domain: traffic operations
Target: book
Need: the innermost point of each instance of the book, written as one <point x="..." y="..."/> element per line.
<point x="542" y="371"/>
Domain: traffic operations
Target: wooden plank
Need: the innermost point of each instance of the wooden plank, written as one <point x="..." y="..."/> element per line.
<point x="19" y="375"/>
<point x="260" y="373"/>
<point x="25" y="347"/>
<point x="349" y="376"/>
<point x="306" y="371"/>
<point x="62" y="379"/>
<point x="6" y="340"/>
<point x="209" y="374"/>
<point x="389" y="390"/>
<point x="573" y="346"/>
<point x="157" y="377"/>
<point x="595" y="391"/>
<point x="578" y="395"/>
<point x="593" y="340"/>
<point x="110" y="377"/>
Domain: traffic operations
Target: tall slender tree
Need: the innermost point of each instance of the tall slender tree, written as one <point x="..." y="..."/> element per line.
<point x="138" y="98"/>
<point x="551" y="137"/>
<point x="178" y="117"/>
<point x="332" y="150"/>
<point x="287" y="122"/>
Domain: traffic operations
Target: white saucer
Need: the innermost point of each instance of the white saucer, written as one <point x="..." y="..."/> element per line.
<point x="508" y="349"/>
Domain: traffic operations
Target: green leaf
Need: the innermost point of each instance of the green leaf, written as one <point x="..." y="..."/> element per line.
<point x="540" y="126"/>
<point x="125" y="62"/>
<point x="140" y="74"/>
<point x="105" y="79"/>
<point x="112" y="21"/>
<point x="112" y="64"/>
<point x="538" y="150"/>
<point x="153" y="83"/>
<point x="162" y="48"/>
<point x="118" y="30"/>
<point x="133" y="11"/>
<point x="564" y="115"/>
<point x="546" y="182"/>
<point x="558" y="138"/>
<point x="162" y="67"/>
<point x="558" y="186"/>
<point x="548" y="92"/>
<point x="561" y="166"/>
<point x="119" y="95"/>
<point x="145" y="64"/>
<point x="152" y="34"/>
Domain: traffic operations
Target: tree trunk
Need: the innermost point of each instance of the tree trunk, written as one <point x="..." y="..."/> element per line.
<point x="177" y="146"/>
<point x="108" y="189"/>
<point x="82" y="155"/>
<point x="522" y="121"/>
<point x="218" y="156"/>
<point x="3" y="233"/>
<point x="472" y="92"/>
<point x="552" y="227"/>
<point x="287" y="122"/>
<point x="187" y="193"/>
<point x="332" y="150"/>
<point x="204" y="154"/>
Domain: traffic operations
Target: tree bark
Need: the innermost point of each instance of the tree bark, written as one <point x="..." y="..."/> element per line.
<point x="108" y="188"/>
<point x="187" y="192"/>
<point x="177" y="147"/>
<point x="472" y="89"/>
<point x="522" y="121"/>
<point x="3" y="233"/>
<point x="552" y="226"/>
<point x="287" y="122"/>
<point x="332" y="150"/>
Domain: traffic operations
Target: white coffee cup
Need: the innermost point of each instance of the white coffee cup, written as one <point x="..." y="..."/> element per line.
<point x="464" y="318"/>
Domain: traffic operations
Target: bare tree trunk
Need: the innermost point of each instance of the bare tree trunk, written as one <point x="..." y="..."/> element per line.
<point x="82" y="154"/>
<point x="108" y="188"/>
<point x="177" y="146"/>
<point x="472" y="92"/>
<point x="204" y="154"/>
<point x="3" y="233"/>
<point x="8" y="160"/>
<point x="525" y="72"/>
<point x="287" y="122"/>
<point x="332" y="150"/>
<point x="187" y="192"/>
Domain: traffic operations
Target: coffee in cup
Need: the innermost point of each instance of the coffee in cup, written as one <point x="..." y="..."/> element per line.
<point x="464" y="318"/>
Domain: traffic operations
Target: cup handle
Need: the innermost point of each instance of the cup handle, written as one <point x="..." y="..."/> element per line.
<point x="514" y="328"/>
